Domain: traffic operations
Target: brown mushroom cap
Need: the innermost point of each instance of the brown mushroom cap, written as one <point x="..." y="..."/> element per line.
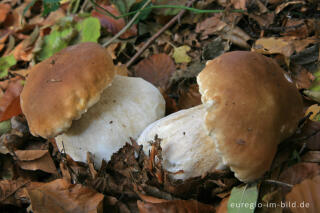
<point x="62" y="87"/>
<point x="252" y="107"/>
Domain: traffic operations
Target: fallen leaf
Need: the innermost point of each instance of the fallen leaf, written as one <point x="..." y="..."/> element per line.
<point x="180" y="54"/>
<point x="36" y="160"/>
<point x="9" y="103"/>
<point x="4" y="10"/>
<point x="8" y="188"/>
<point x="243" y="199"/>
<point x="274" y="45"/>
<point x="61" y="196"/>
<point x="305" y="197"/>
<point x="226" y="29"/>
<point x="189" y="97"/>
<point x="113" y="25"/>
<point x="298" y="172"/>
<point x="296" y="28"/>
<point x="5" y="63"/>
<point x="175" y="206"/>
<point x="286" y="4"/>
<point x="156" y="69"/>
<point x="89" y="30"/>
<point x="310" y="135"/>
<point x="303" y="79"/>
<point x="223" y="207"/>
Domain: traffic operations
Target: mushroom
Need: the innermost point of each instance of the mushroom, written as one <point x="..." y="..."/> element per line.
<point x="63" y="87"/>
<point x="249" y="105"/>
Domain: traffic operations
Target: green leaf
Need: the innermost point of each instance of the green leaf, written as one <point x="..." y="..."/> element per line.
<point x="5" y="63"/>
<point x="5" y="126"/>
<point x="243" y="199"/>
<point x="58" y="39"/>
<point x="50" y="6"/>
<point x="89" y="29"/>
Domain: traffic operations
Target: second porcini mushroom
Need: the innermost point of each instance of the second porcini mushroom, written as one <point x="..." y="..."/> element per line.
<point x="80" y="81"/>
<point x="249" y="106"/>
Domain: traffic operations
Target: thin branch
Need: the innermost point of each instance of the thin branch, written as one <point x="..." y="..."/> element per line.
<point x="164" y="28"/>
<point x="130" y="23"/>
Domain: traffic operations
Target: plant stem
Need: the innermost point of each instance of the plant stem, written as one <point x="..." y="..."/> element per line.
<point x="130" y="23"/>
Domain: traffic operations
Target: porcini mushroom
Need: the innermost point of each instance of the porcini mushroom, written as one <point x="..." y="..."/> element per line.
<point x="63" y="87"/>
<point x="249" y="106"/>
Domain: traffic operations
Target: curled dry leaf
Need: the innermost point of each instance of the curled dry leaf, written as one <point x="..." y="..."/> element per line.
<point x="61" y="196"/>
<point x="156" y="69"/>
<point x="298" y="172"/>
<point x="10" y="101"/>
<point x="113" y="25"/>
<point x="305" y="197"/>
<point x="36" y="160"/>
<point x="175" y="206"/>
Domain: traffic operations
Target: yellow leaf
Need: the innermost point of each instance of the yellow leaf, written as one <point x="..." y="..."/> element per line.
<point x="180" y="54"/>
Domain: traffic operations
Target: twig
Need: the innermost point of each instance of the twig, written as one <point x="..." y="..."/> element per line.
<point x="164" y="28"/>
<point x="130" y="23"/>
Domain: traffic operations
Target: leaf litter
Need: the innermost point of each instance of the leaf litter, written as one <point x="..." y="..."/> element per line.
<point x="32" y="169"/>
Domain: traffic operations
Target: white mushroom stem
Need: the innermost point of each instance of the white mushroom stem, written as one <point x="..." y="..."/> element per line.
<point x="184" y="142"/>
<point x="124" y="110"/>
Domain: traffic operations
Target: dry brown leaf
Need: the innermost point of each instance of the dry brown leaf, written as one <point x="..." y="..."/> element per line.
<point x="150" y="199"/>
<point x="175" y="206"/>
<point x="303" y="79"/>
<point x="311" y="133"/>
<point x="305" y="197"/>
<point x="226" y="29"/>
<point x="274" y="46"/>
<point x="23" y="52"/>
<point x="36" y="160"/>
<point x="156" y="69"/>
<point x="286" y="4"/>
<point x="4" y="10"/>
<point x="296" y="28"/>
<point x="61" y="196"/>
<point x="190" y="97"/>
<point x="298" y="172"/>
<point x="10" y="101"/>
<point x="8" y="188"/>
<point x="113" y="25"/>
<point x="223" y="207"/>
